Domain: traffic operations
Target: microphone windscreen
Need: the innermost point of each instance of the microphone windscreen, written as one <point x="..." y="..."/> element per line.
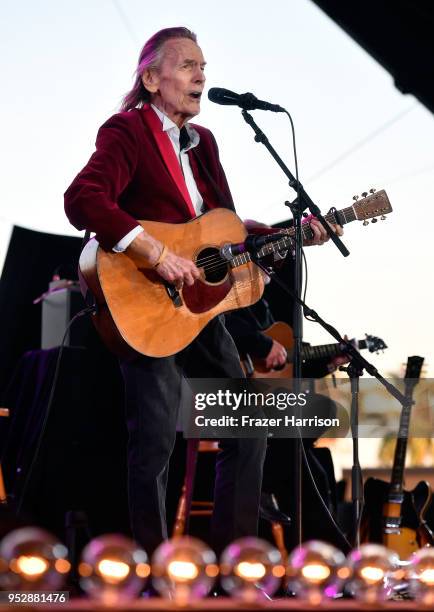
<point x="223" y="96"/>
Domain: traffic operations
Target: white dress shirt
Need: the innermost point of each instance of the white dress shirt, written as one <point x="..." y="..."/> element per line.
<point x="173" y="132"/>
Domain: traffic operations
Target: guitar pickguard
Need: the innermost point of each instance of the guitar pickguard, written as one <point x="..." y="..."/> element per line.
<point x="201" y="296"/>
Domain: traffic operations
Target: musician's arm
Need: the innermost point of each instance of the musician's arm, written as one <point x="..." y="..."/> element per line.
<point x="247" y="336"/>
<point x="91" y="201"/>
<point x="169" y="266"/>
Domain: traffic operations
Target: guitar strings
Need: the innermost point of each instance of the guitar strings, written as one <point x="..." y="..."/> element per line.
<point x="202" y="262"/>
<point x="216" y="256"/>
<point x="213" y="262"/>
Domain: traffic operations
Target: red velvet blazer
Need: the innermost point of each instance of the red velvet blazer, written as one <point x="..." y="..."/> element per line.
<point x="127" y="178"/>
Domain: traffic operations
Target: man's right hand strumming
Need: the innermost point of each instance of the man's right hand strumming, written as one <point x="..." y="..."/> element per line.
<point x="174" y="269"/>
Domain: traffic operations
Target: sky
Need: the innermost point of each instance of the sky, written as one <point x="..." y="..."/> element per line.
<point x="65" y="66"/>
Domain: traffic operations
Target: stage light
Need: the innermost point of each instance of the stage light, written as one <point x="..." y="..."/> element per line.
<point x="371" y="568"/>
<point x="184" y="569"/>
<point x="113" y="569"/>
<point x="32" y="559"/>
<point x="251" y="569"/>
<point x="315" y="571"/>
<point x="421" y="574"/>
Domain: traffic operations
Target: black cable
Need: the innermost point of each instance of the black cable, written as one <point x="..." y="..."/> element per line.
<point x="384" y="126"/>
<point x="298" y="195"/>
<point x="305" y="282"/>
<point x="320" y="497"/>
<point x="294" y="148"/>
<point x="123" y="16"/>
<point x="88" y="310"/>
<point x="305" y="459"/>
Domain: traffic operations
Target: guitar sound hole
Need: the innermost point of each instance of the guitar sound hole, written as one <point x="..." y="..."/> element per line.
<point x="215" y="268"/>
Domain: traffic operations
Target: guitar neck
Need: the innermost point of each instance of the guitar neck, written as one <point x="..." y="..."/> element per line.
<point x="321" y="351"/>
<point x="397" y="480"/>
<point x="346" y="215"/>
<point x="324" y="351"/>
<point x="414" y="366"/>
<point x="284" y="244"/>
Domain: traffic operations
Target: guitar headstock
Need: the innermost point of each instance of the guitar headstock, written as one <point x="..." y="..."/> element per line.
<point x="373" y="204"/>
<point x="374" y="344"/>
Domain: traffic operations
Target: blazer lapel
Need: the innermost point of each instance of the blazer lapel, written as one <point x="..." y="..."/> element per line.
<point x="168" y="154"/>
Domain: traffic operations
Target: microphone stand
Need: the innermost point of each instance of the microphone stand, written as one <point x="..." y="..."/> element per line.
<point x="355" y="370"/>
<point x="301" y="202"/>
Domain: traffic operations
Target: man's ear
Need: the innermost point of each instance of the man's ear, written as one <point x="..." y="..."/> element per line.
<point x="151" y="80"/>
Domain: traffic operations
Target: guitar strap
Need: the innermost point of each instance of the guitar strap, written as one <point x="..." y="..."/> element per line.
<point x="85" y="240"/>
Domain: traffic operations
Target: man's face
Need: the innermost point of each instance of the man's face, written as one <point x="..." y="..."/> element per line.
<point x="176" y="85"/>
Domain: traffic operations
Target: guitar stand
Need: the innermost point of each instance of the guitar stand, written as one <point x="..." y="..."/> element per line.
<point x="354" y="372"/>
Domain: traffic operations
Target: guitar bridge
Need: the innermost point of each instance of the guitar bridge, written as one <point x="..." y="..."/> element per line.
<point x="174" y="294"/>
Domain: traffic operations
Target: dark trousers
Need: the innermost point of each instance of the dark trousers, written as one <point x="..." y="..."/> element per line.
<point x="153" y="389"/>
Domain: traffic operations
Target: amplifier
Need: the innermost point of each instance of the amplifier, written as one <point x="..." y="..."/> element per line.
<point x="58" y="308"/>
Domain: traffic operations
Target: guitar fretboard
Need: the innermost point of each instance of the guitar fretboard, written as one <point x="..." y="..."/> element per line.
<point x="346" y="216"/>
<point x="323" y="351"/>
<point x="414" y="367"/>
<point x="286" y="242"/>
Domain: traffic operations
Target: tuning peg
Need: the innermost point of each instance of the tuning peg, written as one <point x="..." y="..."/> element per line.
<point x="372" y="190"/>
<point x="355" y="198"/>
<point x="365" y="222"/>
<point x="382" y="217"/>
<point x="364" y="194"/>
<point x="374" y="220"/>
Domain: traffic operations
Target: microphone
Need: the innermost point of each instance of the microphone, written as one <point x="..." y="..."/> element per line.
<point x="246" y="101"/>
<point x="252" y="244"/>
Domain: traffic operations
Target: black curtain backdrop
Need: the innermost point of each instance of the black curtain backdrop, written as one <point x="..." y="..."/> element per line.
<point x="81" y="465"/>
<point x="31" y="260"/>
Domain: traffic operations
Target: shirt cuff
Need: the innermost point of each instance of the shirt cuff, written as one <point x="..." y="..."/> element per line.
<point x="125" y="242"/>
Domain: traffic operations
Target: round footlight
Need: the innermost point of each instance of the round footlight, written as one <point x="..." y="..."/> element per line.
<point x="251" y="569"/>
<point x="371" y="572"/>
<point x="113" y="569"/>
<point x="316" y="571"/>
<point x="32" y="559"/>
<point x="421" y="574"/>
<point x="184" y="569"/>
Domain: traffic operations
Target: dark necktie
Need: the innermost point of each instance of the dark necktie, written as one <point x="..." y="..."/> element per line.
<point x="184" y="138"/>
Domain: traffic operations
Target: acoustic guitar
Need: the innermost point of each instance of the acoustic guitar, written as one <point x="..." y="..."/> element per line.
<point x="138" y="312"/>
<point x="393" y="516"/>
<point x="282" y="333"/>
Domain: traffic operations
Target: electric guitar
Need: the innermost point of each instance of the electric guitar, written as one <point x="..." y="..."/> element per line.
<point x="393" y="516"/>
<point x="282" y="333"/>
<point x="138" y="312"/>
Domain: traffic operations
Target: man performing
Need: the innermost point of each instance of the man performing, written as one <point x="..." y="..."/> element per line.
<point x="151" y="164"/>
